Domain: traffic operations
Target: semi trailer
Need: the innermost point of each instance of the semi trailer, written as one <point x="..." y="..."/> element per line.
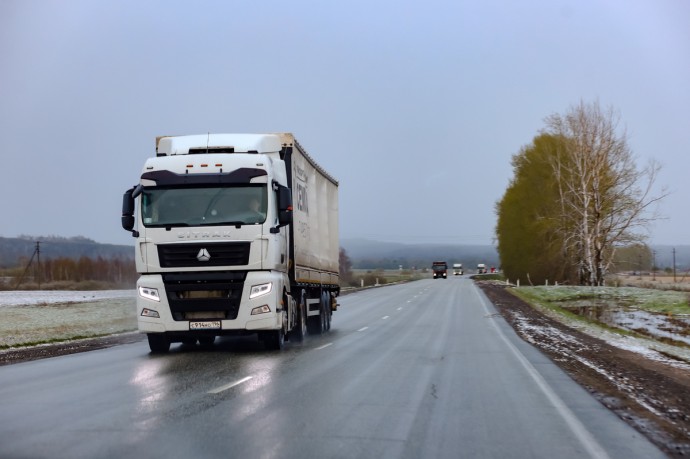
<point x="235" y="234"/>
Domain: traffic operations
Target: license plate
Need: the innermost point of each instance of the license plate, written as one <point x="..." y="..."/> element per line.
<point x="205" y="325"/>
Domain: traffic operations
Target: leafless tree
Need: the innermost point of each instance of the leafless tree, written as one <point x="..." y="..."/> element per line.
<point x="605" y="199"/>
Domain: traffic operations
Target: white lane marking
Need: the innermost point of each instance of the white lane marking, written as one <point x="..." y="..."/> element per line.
<point x="400" y="308"/>
<point x="220" y="389"/>
<point x="363" y="328"/>
<point x="385" y="317"/>
<point x="324" y="346"/>
<point x="579" y="430"/>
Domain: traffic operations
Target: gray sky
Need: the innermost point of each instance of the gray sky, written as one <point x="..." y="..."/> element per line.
<point x="415" y="107"/>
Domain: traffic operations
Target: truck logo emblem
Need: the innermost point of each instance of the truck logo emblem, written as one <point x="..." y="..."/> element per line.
<point x="203" y="255"/>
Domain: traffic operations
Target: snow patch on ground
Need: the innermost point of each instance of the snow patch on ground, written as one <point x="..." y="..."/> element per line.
<point x="38" y="297"/>
<point x="551" y="338"/>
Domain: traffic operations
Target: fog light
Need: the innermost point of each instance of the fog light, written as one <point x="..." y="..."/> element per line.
<point x="150" y="313"/>
<point x="261" y="310"/>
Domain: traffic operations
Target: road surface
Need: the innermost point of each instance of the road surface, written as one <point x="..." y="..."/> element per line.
<point x="420" y="370"/>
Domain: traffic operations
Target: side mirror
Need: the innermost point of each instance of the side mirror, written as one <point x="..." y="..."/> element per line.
<point x="284" y="205"/>
<point x="128" y="211"/>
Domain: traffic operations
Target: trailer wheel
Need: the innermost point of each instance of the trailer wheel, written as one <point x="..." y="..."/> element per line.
<point x="325" y="309"/>
<point x="158" y="343"/>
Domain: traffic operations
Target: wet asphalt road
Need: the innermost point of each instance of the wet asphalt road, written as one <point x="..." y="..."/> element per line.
<point x="420" y="370"/>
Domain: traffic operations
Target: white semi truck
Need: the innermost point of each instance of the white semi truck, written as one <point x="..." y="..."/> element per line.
<point x="235" y="234"/>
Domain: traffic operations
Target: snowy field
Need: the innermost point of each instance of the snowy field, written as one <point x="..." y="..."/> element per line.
<point x="34" y="297"/>
<point x="33" y="317"/>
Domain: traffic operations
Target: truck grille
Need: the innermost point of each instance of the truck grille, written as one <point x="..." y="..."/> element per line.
<point x="201" y="295"/>
<point x="199" y="255"/>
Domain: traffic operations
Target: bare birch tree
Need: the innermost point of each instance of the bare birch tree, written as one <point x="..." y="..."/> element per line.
<point x="604" y="199"/>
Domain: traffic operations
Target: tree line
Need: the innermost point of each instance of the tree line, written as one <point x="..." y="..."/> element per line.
<point x="67" y="272"/>
<point x="576" y="197"/>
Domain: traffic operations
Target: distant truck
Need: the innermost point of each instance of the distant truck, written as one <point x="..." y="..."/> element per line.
<point x="439" y="269"/>
<point x="235" y="234"/>
<point x="457" y="269"/>
<point x="481" y="268"/>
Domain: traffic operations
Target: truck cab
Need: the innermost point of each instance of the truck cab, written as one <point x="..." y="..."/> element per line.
<point x="439" y="269"/>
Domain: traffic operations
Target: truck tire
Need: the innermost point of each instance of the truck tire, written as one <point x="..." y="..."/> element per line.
<point x="274" y="340"/>
<point x="329" y="310"/>
<point x="298" y="333"/>
<point x="158" y="343"/>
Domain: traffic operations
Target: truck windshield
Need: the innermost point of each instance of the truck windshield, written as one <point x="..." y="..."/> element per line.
<point x="245" y="205"/>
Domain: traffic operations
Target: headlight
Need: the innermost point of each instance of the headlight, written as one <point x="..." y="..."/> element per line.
<point x="261" y="289"/>
<point x="149" y="293"/>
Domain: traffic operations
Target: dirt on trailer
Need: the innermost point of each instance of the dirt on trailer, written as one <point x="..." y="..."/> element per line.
<point x="651" y="396"/>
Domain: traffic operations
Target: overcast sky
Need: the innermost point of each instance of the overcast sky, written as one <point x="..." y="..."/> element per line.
<point x="415" y="107"/>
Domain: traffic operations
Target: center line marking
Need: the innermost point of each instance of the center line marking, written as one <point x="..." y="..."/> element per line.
<point x="324" y="346"/>
<point x="363" y="328"/>
<point x="385" y="317"/>
<point x="220" y="389"/>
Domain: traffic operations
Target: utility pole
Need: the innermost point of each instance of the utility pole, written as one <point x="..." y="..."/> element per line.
<point x="37" y="252"/>
<point x="653" y="265"/>
<point x="38" y="262"/>
<point x="639" y="265"/>
<point x="674" y="265"/>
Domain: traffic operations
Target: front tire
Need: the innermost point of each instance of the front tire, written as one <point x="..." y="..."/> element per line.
<point x="274" y="340"/>
<point x="158" y="343"/>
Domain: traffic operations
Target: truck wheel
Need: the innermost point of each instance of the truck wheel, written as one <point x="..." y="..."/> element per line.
<point x="297" y="334"/>
<point x="274" y="340"/>
<point x="329" y="310"/>
<point x="158" y="343"/>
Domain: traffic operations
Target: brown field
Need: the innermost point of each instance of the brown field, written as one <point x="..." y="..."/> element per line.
<point x="650" y="280"/>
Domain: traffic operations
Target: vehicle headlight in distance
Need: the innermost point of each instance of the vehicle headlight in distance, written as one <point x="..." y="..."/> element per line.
<point x="149" y="293"/>
<point x="259" y="290"/>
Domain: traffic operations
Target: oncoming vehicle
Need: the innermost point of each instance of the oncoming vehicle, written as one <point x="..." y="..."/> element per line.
<point x="440" y="269"/>
<point x="457" y="269"/>
<point x="221" y="250"/>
